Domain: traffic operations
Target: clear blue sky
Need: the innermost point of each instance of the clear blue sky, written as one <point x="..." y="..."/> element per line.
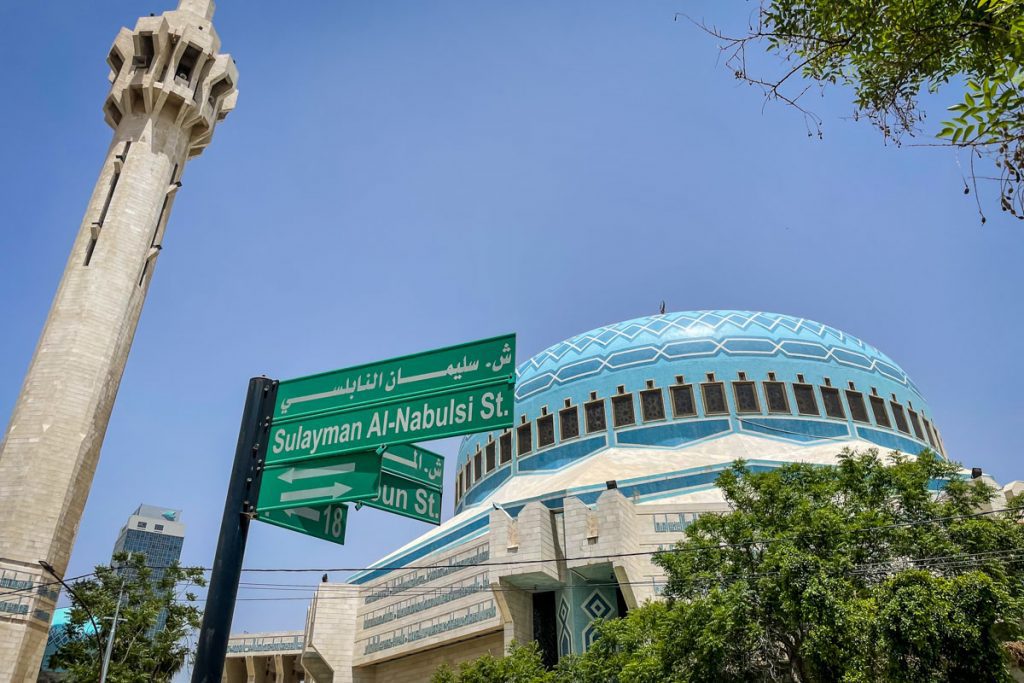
<point x="404" y="175"/>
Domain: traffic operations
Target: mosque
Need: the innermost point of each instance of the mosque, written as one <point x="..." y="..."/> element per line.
<point x="619" y="435"/>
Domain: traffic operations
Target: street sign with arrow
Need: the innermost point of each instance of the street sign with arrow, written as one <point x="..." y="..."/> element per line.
<point x="322" y="521"/>
<point x="326" y="480"/>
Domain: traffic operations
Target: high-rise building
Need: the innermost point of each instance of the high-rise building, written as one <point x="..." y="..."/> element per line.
<point x="170" y="86"/>
<point x="155" y="532"/>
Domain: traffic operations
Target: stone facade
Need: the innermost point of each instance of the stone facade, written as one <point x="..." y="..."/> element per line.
<point x="170" y="87"/>
<point x="265" y="658"/>
<point x="477" y="596"/>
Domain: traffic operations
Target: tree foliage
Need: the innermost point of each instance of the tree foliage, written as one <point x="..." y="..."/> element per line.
<point x="855" y="573"/>
<point x="522" y="664"/>
<point x="141" y="653"/>
<point x="889" y="53"/>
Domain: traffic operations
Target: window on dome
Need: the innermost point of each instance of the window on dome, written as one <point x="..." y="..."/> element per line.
<point x="915" y="422"/>
<point x="683" y="404"/>
<point x="505" y="447"/>
<point x="878" y="408"/>
<point x="928" y="431"/>
<point x="714" y="398"/>
<point x="545" y="430"/>
<point x="900" y="417"/>
<point x="490" y="456"/>
<point x="594" y="412"/>
<point x="623" y="413"/>
<point x="477" y="465"/>
<point x="652" y="405"/>
<point x="806" y="404"/>
<point x="524" y="438"/>
<point x="858" y="411"/>
<point x="467" y="475"/>
<point x="832" y="402"/>
<point x="569" y="422"/>
<point x="458" y="486"/>
<point x="745" y="394"/>
<point x="776" y="398"/>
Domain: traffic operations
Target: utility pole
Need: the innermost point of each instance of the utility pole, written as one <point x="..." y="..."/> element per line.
<point x="113" y="632"/>
<point x="239" y="507"/>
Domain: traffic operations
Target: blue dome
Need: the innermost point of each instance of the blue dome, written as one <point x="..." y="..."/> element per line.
<point x="668" y="381"/>
<point x="703" y="335"/>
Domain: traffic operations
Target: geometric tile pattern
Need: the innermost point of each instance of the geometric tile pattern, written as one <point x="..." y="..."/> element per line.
<point x="698" y="334"/>
<point x="564" y="629"/>
<point x="596" y="606"/>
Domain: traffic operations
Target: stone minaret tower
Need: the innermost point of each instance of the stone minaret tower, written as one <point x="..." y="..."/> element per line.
<point x="170" y="88"/>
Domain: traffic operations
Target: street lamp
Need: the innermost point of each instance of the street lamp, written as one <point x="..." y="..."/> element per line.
<point x="95" y="627"/>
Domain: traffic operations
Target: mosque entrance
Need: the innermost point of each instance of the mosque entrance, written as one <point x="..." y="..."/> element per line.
<point x="545" y="627"/>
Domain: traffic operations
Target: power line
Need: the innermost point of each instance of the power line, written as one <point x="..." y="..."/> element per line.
<point x="641" y="553"/>
<point x="711" y="546"/>
<point x="35" y="587"/>
<point x="1011" y="556"/>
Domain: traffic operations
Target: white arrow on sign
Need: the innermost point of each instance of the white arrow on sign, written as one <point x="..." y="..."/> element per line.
<point x="397" y="458"/>
<point x="291" y="474"/>
<point x="312" y="514"/>
<point x="338" y="489"/>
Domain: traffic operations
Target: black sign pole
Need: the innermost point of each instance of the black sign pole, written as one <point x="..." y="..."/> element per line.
<point x="239" y="506"/>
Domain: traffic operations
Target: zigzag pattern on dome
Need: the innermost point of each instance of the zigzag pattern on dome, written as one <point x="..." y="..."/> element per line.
<point x="696" y="334"/>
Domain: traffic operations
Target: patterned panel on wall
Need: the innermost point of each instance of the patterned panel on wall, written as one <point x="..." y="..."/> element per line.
<point x="564" y="641"/>
<point x="596" y="607"/>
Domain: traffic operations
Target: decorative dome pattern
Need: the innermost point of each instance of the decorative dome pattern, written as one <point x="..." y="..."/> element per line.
<point x="698" y="334"/>
<point x="682" y="379"/>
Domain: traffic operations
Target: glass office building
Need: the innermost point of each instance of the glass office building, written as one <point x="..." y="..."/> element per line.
<point x="157" y="532"/>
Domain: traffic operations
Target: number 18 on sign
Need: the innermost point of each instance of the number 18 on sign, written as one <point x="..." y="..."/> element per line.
<point x="326" y="522"/>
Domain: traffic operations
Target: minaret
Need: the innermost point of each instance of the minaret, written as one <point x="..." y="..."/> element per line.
<point x="170" y="88"/>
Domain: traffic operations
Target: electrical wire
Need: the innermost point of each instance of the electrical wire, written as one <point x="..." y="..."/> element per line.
<point x="1012" y="556"/>
<point x="641" y="553"/>
<point x="35" y="587"/>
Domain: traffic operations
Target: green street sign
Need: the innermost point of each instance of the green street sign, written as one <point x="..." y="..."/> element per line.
<point x="461" y="411"/>
<point x="322" y="521"/>
<point x="415" y="463"/>
<point x="324" y="480"/>
<point x="487" y="361"/>
<point x="407" y="498"/>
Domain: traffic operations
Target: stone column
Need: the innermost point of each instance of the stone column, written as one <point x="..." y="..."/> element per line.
<point x="170" y="87"/>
